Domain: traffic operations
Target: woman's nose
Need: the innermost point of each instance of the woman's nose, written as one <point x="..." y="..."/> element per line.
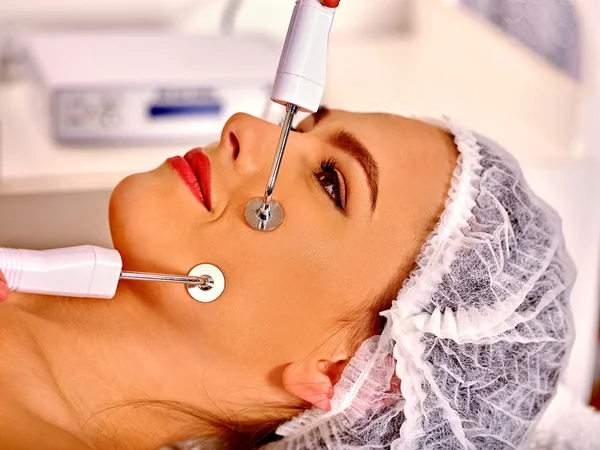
<point x="252" y="142"/>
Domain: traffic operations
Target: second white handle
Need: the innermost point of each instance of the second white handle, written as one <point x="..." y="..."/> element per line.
<point x="85" y="271"/>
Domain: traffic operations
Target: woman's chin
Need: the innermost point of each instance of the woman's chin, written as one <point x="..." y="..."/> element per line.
<point x="136" y="212"/>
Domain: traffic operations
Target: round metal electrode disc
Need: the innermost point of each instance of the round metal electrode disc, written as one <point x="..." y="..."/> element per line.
<point x="256" y="222"/>
<point x="218" y="283"/>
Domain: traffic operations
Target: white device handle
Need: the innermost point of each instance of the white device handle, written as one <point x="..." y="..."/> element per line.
<point x="85" y="271"/>
<point x="302" y="68"/>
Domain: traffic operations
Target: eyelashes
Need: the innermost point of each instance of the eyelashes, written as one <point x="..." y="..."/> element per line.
<point x="331" y="179"/>
<point x="333" y="182"/>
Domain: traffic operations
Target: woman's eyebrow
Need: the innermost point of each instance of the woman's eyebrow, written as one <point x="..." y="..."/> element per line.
<point x="350" y="145"/>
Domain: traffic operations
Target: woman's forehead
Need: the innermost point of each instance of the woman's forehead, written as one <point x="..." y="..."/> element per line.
<point x="395" y="142"/>
<point x="329" y="117"/>
<point x="415" y="159"/>
<point x="382" y="129"/>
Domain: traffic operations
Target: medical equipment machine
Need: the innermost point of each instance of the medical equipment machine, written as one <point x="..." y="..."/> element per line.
<point x="299" y="84"/>
<point x="93" y="272"/>
<point x="146" y="87"/>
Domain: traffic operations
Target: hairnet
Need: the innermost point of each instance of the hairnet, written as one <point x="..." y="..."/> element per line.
<point x="478" y="337"/>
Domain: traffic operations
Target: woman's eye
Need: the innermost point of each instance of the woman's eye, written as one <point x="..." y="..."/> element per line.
<point x="333" y="182"/>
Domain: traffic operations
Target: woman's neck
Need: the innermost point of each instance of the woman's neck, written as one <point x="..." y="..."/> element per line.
<point x="111" y="361"/>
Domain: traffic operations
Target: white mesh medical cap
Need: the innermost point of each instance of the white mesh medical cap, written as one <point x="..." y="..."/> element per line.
<point x="479" y="335"/>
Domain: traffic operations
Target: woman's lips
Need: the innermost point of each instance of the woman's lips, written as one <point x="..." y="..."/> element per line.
<point x="194" y="170"/>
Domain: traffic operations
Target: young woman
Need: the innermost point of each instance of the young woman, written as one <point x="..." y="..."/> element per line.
<point x="470" y="353"/>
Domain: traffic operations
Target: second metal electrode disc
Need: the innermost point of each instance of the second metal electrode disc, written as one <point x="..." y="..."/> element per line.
<point x="218" y="283"/>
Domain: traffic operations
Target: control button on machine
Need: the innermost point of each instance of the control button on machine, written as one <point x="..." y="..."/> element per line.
<point x="110" y="119"/>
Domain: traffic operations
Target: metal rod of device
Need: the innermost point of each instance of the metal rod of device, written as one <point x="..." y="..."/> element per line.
<point x="205" y="282"/>
<point x="291" y="111"/>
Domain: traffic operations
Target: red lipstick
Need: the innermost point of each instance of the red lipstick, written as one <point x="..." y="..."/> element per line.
<point x="194" y="170"/>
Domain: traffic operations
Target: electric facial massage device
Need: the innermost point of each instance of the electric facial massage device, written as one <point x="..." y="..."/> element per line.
<point x="94" y="272"/>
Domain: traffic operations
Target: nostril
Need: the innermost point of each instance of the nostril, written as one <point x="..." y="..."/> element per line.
<point x="235" y="144"/>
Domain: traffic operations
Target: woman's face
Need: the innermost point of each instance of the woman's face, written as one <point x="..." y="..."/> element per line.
<point x="359" y="191"/>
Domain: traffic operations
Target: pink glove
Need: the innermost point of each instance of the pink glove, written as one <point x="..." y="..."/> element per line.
<point x="331" y="3"/>
<point x="3" y="288"/>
